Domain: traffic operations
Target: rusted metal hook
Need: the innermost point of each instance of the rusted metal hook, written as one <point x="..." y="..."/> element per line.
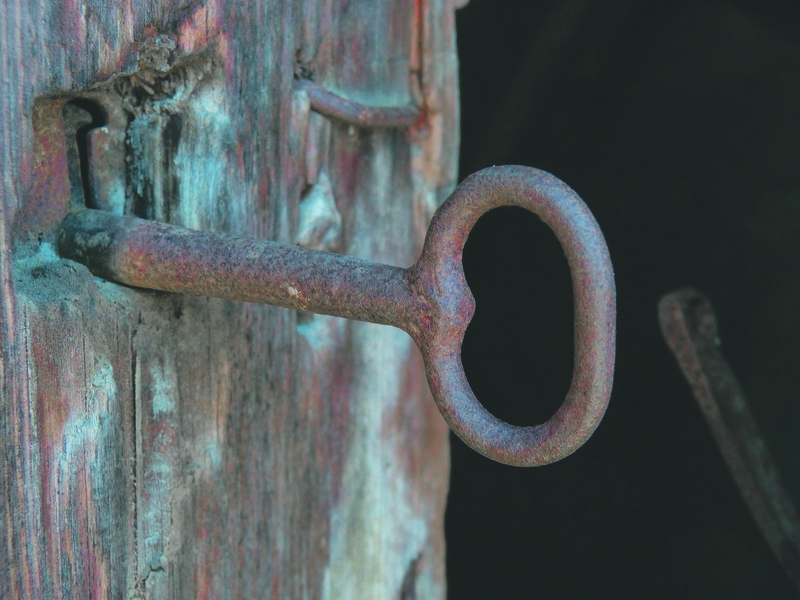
<point x="430" y="300"/>
<point x="690" y="329"/>
<point x="346" y="111"/>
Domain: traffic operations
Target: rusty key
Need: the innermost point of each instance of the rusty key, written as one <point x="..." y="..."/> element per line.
<point x="431" y="300"/>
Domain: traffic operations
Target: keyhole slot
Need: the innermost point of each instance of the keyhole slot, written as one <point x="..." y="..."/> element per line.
<point x="81" y="115"/>
<point x="518" y="349"/>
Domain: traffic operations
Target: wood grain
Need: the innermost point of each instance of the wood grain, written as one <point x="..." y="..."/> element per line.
<point x="163" y="446"/>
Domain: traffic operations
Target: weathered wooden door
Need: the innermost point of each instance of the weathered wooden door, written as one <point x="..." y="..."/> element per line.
<point x="156" y="445"/>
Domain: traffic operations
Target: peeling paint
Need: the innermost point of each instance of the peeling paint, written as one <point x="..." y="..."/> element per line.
<point x="163" y="393"/>
<point x="375" y="526"/>
<point x="213" y="453"/>
<point x="320" y="223"/>
<point x="44" y="254"/>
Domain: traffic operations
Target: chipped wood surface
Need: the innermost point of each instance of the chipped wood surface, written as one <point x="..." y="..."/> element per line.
<point x="165" y="446"/>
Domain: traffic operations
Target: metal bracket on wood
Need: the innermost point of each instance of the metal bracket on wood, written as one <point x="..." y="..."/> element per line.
<point x="346" y="111"/>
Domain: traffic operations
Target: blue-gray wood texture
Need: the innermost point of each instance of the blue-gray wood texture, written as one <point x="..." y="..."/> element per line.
<point x="162" y="446"/>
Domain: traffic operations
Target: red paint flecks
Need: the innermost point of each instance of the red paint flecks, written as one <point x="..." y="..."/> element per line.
<point x="46" y="178"/>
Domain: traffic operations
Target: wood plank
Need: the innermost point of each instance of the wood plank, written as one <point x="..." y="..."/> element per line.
<point x="164" y="446"/>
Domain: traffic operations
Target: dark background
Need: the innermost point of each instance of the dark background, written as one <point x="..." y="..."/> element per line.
<point x="679" y="125"/>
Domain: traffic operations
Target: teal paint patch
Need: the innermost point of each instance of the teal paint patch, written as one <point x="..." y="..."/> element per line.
<point x="163" y="392"/>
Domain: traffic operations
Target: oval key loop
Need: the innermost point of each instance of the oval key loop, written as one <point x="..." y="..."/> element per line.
<point x="431" y="300"/>
<point x="440" y="272"/>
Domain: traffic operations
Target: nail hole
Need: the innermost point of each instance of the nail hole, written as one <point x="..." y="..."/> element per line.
<point x="518" y="350"/>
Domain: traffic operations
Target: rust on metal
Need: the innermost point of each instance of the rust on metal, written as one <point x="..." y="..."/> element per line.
<point x="340" y="109"/>
<point x="690" y="329"/>
<point x="430" y="300"/>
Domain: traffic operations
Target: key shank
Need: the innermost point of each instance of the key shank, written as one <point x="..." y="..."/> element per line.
<point x="169" y="258"/>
